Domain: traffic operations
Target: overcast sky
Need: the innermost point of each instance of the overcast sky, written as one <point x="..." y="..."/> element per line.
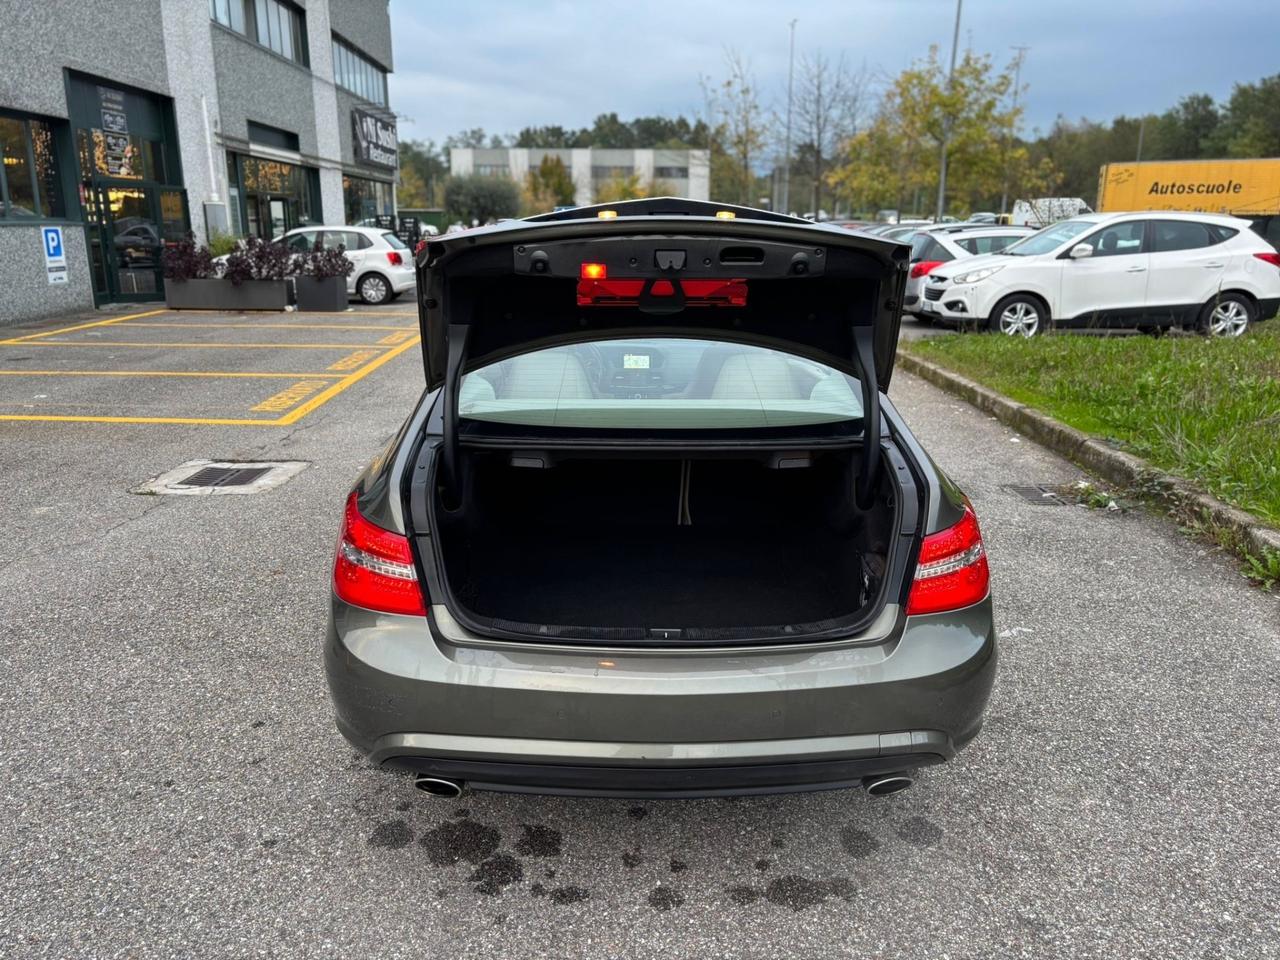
<point x="506" y="64"/>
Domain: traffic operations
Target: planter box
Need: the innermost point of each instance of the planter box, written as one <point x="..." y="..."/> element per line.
<point x="328" y="295"/>
<point x="224" y="295"/>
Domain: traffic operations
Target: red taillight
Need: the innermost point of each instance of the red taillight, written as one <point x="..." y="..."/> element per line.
<point x="1271" y="258"/>
<point x="952" y="569"/>
<point x="924" y="268"/>
<point x="419" y="247"/>
<point x="594" y="271"/>
<point x="626" y="293"/>
<point x="393" y="257"/>
<point x="374" y="567"/>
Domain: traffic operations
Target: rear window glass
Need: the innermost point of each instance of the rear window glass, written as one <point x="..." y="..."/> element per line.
<point x="989" y="244"/>
<point x="1171" y="235"/>
<point x="395" y="241"/>
<point x="924" y="247"/>
<point x="659" y="383"/>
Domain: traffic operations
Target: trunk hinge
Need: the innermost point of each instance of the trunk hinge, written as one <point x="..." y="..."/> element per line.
<point x="457" y="341"/>
<point x="868" y="476"/>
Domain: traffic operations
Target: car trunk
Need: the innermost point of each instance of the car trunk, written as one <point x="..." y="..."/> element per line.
<point x="738" y="547"/>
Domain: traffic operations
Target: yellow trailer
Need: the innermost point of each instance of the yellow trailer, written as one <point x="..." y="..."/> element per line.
<point x="1244" y="188"/>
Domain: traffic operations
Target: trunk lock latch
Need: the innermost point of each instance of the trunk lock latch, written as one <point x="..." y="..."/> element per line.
<point x="669" y="259"/>
<point x="664" y="633"/>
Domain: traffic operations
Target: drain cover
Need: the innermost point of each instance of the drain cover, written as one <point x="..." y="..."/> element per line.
<point x="1041" y="495"/>
<point x="206" y="477"/>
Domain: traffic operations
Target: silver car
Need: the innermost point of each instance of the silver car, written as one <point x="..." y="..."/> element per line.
<point x="654" y="528"/>
<point x="935" y="247"/>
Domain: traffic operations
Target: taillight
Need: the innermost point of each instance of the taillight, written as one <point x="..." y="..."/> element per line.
<point x="1271" y="258"/>
<point x="419" y="247"/>
<point x="374" y="567"/>
<point x="952" y="570"/>
<point x="393" y="257"/>
<point x="924" y="268"/>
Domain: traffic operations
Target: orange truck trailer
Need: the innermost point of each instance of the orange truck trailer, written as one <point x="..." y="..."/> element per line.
<point x="1242" y="188"/>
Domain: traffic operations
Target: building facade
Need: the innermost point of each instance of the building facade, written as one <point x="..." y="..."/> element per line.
<point x="681" y="173"/>
<point x="126" y="125"/>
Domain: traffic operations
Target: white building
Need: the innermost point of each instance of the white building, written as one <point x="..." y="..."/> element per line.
<point x="681" y="173"/>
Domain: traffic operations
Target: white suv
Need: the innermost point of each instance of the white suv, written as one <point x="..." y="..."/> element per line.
<point x="383" y="262"/>
<point x="1189" y="270"/>
<point x="933" y="249"/>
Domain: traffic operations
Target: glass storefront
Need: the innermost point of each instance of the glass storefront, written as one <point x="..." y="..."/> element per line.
<point x="363" y="200"/>
<point x="271" y="197"/>
<point x="30" y="183"/>
<point x="130" y="186"/>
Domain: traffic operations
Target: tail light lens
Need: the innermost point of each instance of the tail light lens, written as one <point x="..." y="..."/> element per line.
<point x="1271" y="258"/>
<point x="374" y="567"/>
<point x="626" y="293"/>
<point x="952" y="570"/>
<point x="394" y="258"/>
<point x="924" y="268"/>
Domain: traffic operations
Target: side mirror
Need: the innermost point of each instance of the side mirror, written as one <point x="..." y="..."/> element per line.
<point x="1081" y="250"/>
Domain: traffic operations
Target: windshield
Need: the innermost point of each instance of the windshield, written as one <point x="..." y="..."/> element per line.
<point x="659" y="383"/>
<point x="1049" y="239"/>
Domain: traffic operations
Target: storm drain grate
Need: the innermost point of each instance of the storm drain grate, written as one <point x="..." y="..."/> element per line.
<point x="1040" y="495"/>
<point x="223" y="476"/>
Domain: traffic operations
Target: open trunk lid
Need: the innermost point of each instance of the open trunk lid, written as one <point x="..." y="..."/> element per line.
<point x="662" y="267"/>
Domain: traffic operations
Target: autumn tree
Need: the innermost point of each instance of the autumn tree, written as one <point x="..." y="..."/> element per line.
<point x="829" y="101"/>
<point x="548" y="185"/>
<point x="411" y="191"/>
<point x="736" y="131"/>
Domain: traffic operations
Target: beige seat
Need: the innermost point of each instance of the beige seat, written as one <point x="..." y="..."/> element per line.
<point x="755" y="376"/>
<point x="547" y="375"/>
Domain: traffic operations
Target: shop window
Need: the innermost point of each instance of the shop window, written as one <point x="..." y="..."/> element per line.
<point x="363" y="200"/>
<point x="29" y="176"/>
<point x="123" y="156"/>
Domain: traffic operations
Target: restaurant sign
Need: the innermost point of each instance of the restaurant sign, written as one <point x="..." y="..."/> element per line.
<point x="375" y="139"/>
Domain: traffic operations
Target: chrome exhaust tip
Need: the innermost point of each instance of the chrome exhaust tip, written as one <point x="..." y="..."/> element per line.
<point x="437" y="787"/>
<point x="884" y="784"/>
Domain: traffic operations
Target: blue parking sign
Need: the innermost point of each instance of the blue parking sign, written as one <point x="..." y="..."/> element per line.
<point x="55" y="254"/>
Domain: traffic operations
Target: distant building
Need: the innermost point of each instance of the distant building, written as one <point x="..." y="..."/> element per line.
<point x="124" y="125"/>
<point x="681" y="173"/>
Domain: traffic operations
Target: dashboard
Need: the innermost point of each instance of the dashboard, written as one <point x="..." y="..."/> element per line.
<point x="641" y="370"/>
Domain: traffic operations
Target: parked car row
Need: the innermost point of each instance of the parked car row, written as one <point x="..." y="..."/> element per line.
<point x="1148" y="270"/>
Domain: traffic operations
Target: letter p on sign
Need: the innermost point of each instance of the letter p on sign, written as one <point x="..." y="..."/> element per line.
<point x="55" y="255"/>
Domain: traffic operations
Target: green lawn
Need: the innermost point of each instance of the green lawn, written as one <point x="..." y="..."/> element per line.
<point x="1206" y="409"/>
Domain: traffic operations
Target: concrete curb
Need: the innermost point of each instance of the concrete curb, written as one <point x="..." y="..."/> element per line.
<point x="1099" y="458"/>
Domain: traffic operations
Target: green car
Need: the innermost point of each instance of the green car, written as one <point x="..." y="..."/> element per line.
<point x="654" y="528"/>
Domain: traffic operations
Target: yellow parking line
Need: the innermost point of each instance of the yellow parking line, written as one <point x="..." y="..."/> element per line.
<point x="218" y="346"/>
<point x="159" y="373"/>
<point x="337" y="388"/>
<point x="83" y="326"/>
<point x="202" y="421"/>
<point x="277" y="326"/>
<point x="354" y="360"/>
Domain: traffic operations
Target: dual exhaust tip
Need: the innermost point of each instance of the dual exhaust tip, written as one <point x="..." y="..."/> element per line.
<point x="880" y="785"/>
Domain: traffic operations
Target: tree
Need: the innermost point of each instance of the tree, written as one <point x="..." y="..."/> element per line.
<point x="481" y="199"/>
<point x="735" y="131"/>
<point x="894" y="160"/>
<point x="547" y="186"/>
<point x="411" y="191"/>
<point x="474" y="138"/>
<point x="829" y="100"/>
<point x="427" y="161"/>
<point x="1251" y="120"/>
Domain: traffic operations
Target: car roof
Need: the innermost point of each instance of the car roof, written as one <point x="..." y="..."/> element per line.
<point x="350" y="228"/>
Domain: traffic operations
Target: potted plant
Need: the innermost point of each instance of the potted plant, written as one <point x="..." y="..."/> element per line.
<point x="321" y="279"/>
<point x="190" y="277"/>
<point x="256" y="273"/>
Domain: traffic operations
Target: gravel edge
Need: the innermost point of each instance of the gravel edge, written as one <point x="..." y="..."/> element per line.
<point x="1185" y="499"/>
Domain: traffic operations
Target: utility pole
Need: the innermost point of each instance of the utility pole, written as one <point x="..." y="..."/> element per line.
<point x="946" y="121"/>
<point x="1142" y="128"/>
<point x="1008" y="140"/>
<point x="786" y="178"/>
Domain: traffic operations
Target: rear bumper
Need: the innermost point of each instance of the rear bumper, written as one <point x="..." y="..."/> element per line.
<point x="652" y="723"/>
<point x="1267" y="308"/>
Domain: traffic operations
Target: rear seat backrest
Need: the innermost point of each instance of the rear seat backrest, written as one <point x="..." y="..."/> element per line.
<point x="748" y="376"/>
<point x="547" y="375"/>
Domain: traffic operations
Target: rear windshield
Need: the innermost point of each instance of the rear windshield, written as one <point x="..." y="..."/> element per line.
<point x="659" y="383"/>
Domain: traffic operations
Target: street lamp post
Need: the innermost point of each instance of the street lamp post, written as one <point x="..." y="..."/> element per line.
<point x="946" y="121"/>
<point x="786" y="160"/>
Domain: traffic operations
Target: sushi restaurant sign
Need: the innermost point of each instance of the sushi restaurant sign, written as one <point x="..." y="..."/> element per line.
<point x="375" y="139"/>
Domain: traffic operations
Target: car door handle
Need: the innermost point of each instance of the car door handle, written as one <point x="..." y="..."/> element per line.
<point x="1136" y="270"/>
<point x="1213" y="266"/>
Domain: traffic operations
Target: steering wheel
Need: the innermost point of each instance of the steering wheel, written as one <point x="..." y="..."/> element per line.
<point x="595" y="363"/>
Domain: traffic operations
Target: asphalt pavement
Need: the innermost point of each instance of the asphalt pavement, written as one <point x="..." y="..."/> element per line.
<point x="174" y="785"/>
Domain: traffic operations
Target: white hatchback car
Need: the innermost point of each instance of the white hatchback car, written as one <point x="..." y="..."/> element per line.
<point x="383" y="262"/>
<point x="937" y="246"/>
<point x="1156" y="270"/>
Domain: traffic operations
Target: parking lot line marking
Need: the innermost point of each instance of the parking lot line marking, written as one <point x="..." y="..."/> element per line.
<point x="345" y="382"/>
<point x="392" y="339"/>
<point x="82" y="326"/>
<point x="160" y="373"/>
<point x="276" y="326"/>
<point x="218" y="346"/>
<point x="290" y="396"/>
<point x="198" y="421"/>
<point x="351" y="361"/>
